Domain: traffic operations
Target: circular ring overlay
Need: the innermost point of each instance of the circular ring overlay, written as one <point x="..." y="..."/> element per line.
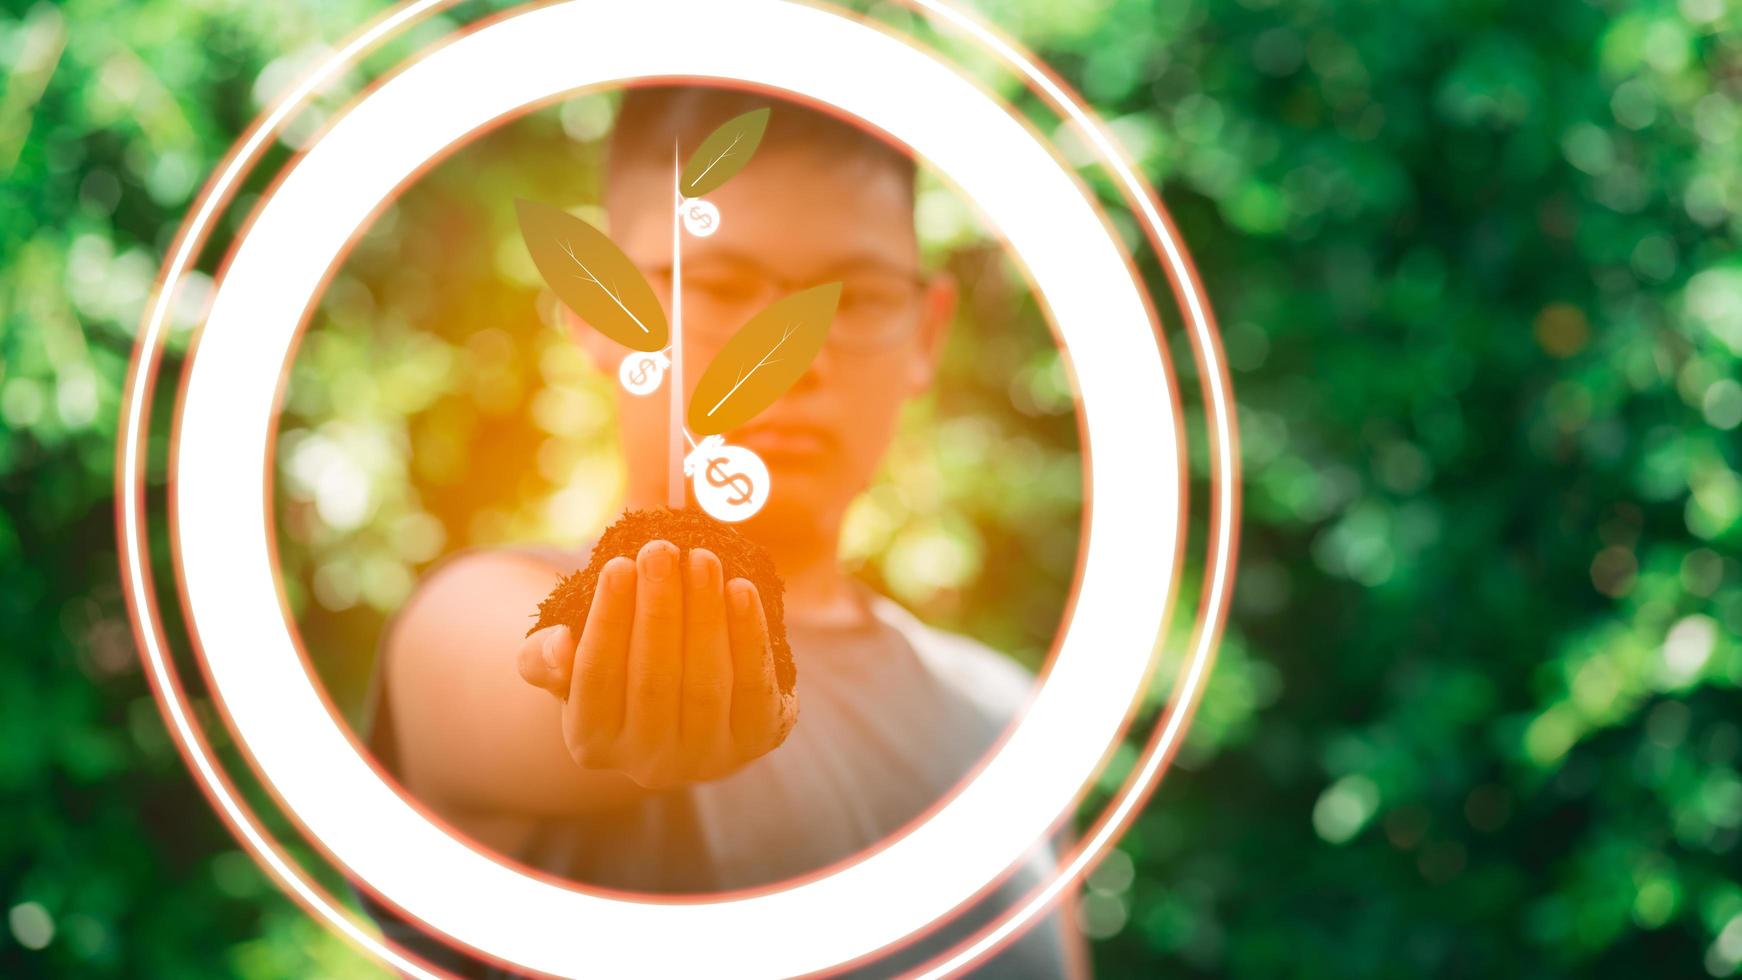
<point x="1103" y="660"/>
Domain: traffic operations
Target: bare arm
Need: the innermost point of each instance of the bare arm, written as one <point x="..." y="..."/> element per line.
<point x="475" y="739"/>
<point x="670" y="682"/>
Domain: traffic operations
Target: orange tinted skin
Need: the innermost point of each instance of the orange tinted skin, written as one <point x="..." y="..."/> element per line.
<point x="667" y="683"/>
<point x="664" y="686"/>
<point x="630" y="706"/>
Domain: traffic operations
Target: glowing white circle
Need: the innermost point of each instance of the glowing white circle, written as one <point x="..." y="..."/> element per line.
<point x="1034" y="205"/>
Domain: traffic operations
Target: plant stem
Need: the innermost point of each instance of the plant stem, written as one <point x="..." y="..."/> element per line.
<point x="674" y="494"/>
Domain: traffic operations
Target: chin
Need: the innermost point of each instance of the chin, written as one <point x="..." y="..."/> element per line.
<point x="795" y="512"/>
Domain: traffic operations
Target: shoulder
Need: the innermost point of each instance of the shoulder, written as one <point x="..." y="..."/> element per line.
<point x="456" y="575"/>
<point x="460" y="575"/>
<point x="990" y="680"/>
<point x="488" y="587"/>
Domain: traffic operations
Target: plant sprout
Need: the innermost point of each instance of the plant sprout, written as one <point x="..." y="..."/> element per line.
<point x="766" y="356"/>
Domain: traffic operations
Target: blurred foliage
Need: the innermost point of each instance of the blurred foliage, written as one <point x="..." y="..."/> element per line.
<point x="1476" y="265"/>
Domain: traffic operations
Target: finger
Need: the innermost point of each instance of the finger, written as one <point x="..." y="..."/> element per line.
<point x="756" y="698"/>
<point x="705" y="721"/>
<point x="655" y="653"/>
<point x="594" y="713"/>
<point x="545" y="659"/>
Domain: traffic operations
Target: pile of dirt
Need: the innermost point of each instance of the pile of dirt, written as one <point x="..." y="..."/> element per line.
<point x="689" y="528"/>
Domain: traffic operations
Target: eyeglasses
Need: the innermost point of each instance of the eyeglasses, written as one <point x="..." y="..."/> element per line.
<point x="877" y="308"/>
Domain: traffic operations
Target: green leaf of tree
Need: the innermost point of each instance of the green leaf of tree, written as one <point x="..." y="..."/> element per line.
<point x="593" y="277"/>
<point x="763" y="359"/>
<point x="723" y="153"/>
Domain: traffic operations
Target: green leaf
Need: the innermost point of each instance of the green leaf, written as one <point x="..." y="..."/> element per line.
<point x="723" y="153"/>
<point x="593" y="277"/>
<point x="763" y="359"/>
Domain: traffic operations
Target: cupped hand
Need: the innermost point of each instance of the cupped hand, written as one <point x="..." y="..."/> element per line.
<point x="672" y="678"/>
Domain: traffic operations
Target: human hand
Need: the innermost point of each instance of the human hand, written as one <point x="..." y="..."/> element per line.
<point x="672" y="679"/>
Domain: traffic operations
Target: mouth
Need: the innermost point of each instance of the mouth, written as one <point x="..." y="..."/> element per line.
<point x="785" y="440"/>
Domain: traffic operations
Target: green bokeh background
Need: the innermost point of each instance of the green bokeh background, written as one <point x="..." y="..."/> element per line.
<point x="1476" y="264"/>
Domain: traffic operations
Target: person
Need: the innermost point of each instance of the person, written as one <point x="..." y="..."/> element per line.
<point x="653" y="752"/>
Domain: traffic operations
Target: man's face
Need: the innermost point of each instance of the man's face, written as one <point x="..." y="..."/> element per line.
<point x="790" y="220"/>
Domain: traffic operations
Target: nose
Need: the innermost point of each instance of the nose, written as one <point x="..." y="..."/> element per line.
<point x="818" y="374"/>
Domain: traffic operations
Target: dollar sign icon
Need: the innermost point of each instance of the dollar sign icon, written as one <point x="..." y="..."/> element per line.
<point x="641" y="368"/>
<point x="640" y="373"/>
<point x="740" y="483"/>
<point x="701" y="218"/>
<point x="731" y="482"/>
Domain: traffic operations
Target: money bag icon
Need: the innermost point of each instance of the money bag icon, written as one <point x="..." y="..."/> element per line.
<point x="700" y="218"/>
<point x="641" y="372"/>
<point x="731" y="482"/>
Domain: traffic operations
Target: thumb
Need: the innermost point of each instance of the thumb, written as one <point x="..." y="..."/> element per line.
<point x="546" y="659"/>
